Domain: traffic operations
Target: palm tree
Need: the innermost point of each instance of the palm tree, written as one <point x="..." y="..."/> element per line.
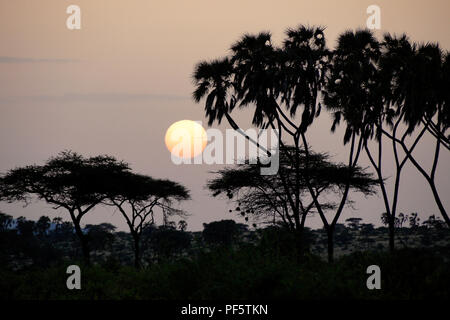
<point x="137" y="196"/>
<point x="279" y="80"/>
<point x="306" y="64"/>
<point x="255" y="63"/>
<point x="213" y="80"/>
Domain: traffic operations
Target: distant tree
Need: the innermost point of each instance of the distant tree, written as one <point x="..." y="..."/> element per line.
<point x="8" y="238"/>
<point x="57" y="221"/>
<point x="354" y="223"/>
<point x="6" y="221"/>
<point x="42" y="226"/>
<point x="414" y="220"/>
<point x="278" y="240"/>
<point x="100" y="236"/>
<point x="418" y="79"/>
<point x="25" y="227"/>
<point x="167" y="241"/>
<point x="66" y="230"/>
<point x="67" y="181"/>
<point x="343" y="235"/>
<point x="367" y="231"/>
<point x="262" y="197"/>
<point x="433" y="230"/>
<point x="166" y="220"/>
<point x="221" y="232"/>
<point x="402" y="218"/>
<point x="182" y="225"/>
<point x="137" y="196"/>
<point x="384" y="219"/>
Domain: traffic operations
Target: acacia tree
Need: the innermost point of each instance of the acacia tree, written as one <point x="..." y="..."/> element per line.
<point x="262" y="197"/>
<point x="252" y="77"/>
<point x="68" y="181"/>
<point x="137" y="196"/>
<point x="354" y="94"/>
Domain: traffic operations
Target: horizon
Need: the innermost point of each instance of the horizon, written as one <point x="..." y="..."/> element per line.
<point x="116" y="85"/>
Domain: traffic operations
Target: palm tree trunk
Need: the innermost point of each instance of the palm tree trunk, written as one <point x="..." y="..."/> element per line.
<point x="439" y="202"/>
<point x="84" y="244"/>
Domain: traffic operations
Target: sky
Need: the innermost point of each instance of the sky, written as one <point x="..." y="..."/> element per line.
<point x="116" y="85"/>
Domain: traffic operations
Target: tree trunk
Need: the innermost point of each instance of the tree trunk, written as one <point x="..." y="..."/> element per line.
<point x="299" y="245"/>
<point x="330" y="234"/>
<point x="86" y="252"/>
<point x="439" y="202"/>
<point x="81" y="236"/>
<point x="391" y="234"/>
<point x="84" y="244"/>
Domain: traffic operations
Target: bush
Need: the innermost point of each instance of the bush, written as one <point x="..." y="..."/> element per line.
<point x="248" y="272"/>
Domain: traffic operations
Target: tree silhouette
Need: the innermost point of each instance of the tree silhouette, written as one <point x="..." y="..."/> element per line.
<point x="67" y="181"/>
<point x="221" y="232"/>
<point x="136" y="196"/>
<point x="355" y="94"/>
<point x="354" y="223"/>
<point x="414" y="221"/>
<point x="262" y="197"/>
<point x="418" y="80"/>
<point x="381" y="90"/>
<point x="166" y="241"/>
<point x="100" y="236"/>
<point x="182" y="225"/>
<point x="25" y="227"/>
<point x="42" y="226"/>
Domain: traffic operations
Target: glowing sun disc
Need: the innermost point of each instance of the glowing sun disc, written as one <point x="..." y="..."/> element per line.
<point x="186" y="139"/>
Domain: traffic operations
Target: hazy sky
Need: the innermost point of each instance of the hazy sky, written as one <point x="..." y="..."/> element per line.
<point x="116" y="85"/>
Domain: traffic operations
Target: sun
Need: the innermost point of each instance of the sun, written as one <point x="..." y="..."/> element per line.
<point x="186" y="139"/>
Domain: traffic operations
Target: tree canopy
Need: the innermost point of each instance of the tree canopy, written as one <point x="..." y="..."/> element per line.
<point x="68" y="181"/>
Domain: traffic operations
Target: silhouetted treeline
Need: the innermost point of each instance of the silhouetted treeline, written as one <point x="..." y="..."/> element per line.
<point x="224" y="261"/>
<point x="45" y="242"/>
